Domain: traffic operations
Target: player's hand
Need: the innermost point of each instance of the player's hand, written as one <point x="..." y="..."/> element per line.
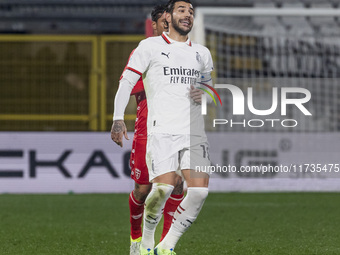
<point x="196" y="94"/>
<point x="117" y="131"/>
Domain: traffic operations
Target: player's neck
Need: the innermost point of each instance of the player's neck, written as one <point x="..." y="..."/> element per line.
<point x="174" y="35"/>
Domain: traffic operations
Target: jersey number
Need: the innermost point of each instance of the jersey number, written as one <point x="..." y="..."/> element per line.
<point x="205" y="151"/>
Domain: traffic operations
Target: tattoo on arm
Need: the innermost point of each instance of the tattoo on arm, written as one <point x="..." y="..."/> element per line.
<point x="118" y="126"/>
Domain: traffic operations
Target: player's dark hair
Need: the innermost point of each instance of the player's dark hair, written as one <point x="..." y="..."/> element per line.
<point x="157" y="12"/>
<point x="171" y="5"/>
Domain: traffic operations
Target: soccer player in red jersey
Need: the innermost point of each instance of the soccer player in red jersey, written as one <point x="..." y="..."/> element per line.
<point x="139" y="170"/>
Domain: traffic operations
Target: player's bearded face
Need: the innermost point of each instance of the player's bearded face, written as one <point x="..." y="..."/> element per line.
<point x="182" y="18"/>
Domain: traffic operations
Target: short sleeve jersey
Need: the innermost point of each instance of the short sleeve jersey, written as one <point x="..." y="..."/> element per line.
<point x="169" y="68"/>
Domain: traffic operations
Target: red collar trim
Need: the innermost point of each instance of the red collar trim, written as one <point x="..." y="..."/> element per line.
<point x="166" y="39"/>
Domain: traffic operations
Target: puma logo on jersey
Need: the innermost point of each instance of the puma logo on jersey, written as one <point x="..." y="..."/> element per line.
<point x="167" y="55"/>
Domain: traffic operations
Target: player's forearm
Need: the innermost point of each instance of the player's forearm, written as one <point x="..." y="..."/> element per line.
<point x="121" y="101"/>
<point x="126" y="85"/>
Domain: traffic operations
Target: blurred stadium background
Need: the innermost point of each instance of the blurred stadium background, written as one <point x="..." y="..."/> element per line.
<point x="60" y="63"/>
<point x="61" y="60"/>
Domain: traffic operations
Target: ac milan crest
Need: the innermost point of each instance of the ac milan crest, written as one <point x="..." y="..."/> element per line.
<point x="198" y="57"/>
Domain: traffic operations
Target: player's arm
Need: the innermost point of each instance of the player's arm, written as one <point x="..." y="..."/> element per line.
<point x="118" y="129"/>
<point x="139" y="87"/>
<point x="126" y="85"/>
<point x="138" y="64"/>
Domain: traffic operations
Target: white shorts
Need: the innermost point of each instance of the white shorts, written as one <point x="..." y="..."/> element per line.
<point x="168" y="153"/>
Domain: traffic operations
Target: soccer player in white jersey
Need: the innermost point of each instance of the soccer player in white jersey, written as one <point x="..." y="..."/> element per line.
<point x="139" y="170"/>
<point x="171" y="65"/>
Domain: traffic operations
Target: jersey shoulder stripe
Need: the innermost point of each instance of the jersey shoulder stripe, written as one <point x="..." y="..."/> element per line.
<point x="134" y="70"/>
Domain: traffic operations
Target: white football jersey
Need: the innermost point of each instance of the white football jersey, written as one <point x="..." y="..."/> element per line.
<point x="169" y="68"/>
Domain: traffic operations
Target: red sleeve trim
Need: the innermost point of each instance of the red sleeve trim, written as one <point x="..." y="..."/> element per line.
<point x="134" y="70"/>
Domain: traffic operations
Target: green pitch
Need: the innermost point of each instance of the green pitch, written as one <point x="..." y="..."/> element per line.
<point x="232" y="223"/>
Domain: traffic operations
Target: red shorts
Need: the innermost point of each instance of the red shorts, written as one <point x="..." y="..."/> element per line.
<point x="139" y="170"/>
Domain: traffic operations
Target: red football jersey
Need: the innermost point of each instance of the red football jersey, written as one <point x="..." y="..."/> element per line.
<point x="142" y="115"/>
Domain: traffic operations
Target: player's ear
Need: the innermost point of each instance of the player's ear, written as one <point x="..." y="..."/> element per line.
<point x="154" y="25"/>
<point x="166" y="25"/>
<point x="168" y="17"/>
<point x="154" y="28"/>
